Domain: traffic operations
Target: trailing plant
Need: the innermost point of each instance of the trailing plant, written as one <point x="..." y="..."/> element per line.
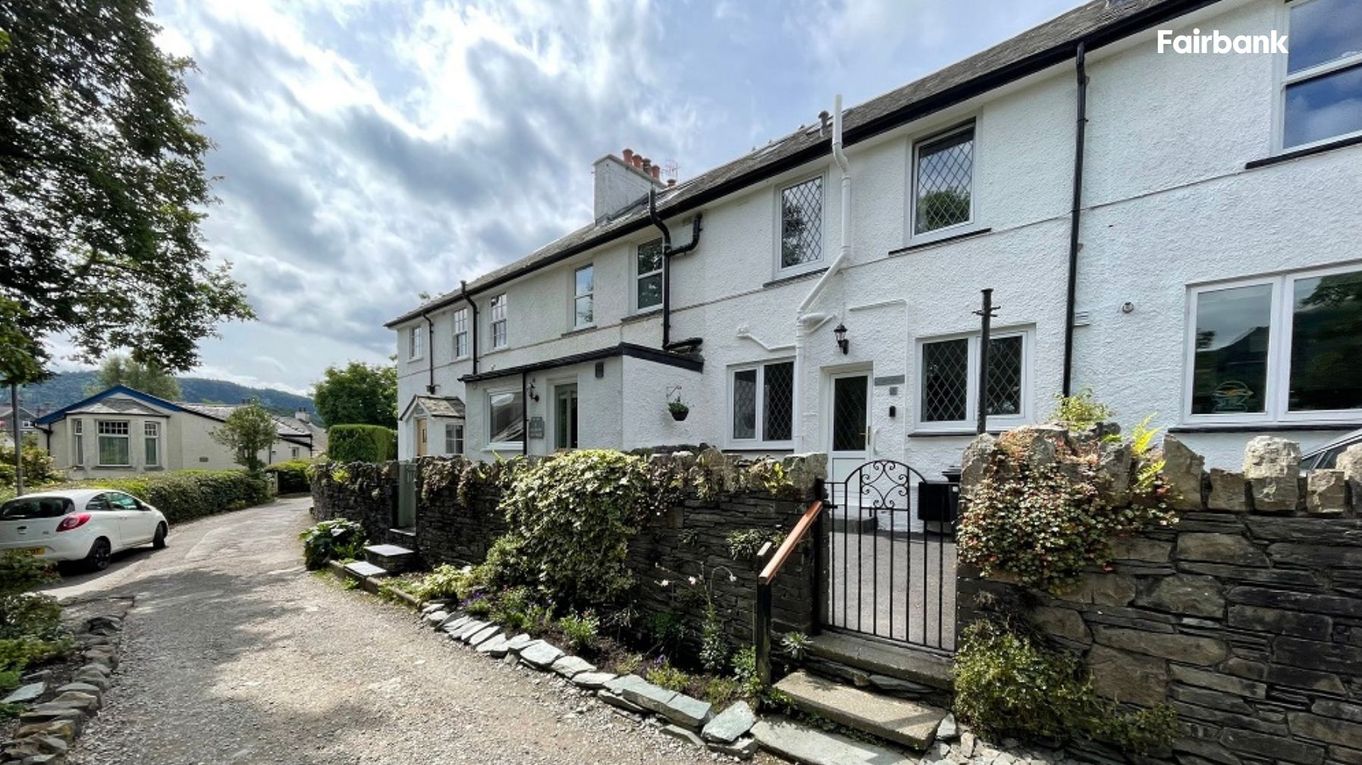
<point x="1040" y="511"/>
<point x="438" y="474"/>
<point x="337" y="539"/>
<point x="746" y="544"/>
<point x="581" y="630"/>
<point x="795" y="645"/>
<point x="1009" y="682"/>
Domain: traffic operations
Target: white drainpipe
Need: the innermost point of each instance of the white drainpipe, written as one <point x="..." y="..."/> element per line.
<point x="806" y="323"/>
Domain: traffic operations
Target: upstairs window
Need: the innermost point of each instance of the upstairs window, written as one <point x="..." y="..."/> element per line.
<point x="498" y="306"/>
<point x="115" y="447"/>
<point x="415" y="342"/>
<point x="461" y="333"/>
<point x="583" y="297"/>
<point x="949" y="381"/>
<point x="763" y="404"/>
<point x="1322" y="93"/>
<point x="943" y="181"/>
<point x="1284" y="348"/>
<point x="801" y="224"/>
<point x="649" y="270"/>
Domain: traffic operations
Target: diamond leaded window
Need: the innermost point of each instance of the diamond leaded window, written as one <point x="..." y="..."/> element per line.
<point x="763" y="403"/>
<point x="801" y="224"/>
<point x="949" y="389"/>
<point x="943" y="181"/>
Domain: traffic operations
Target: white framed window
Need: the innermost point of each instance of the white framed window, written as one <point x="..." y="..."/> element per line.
<point x="1321" y="90"/>
<point x="648" y="275"/>
<point x="948" y="381"/>
<point x="78" y="437"/>
<point x="1282" y="348"/>
<point x="761" y="404"/>
<point x="800" y="244"/>
<point x="460" y="333"/>
<point x="505" y="420"/>
<point x="115" y="443"/>
<point x="454" y="438"/>
<point x="416" y="337"/>
<point x="498" y="311"/>
<point x="151" y="442"/>
<point x="943" y="182"/>
<point x="293" y="452"/>
<point x="583" y="297"/>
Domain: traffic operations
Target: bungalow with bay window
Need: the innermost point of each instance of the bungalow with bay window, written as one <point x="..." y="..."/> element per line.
<point x="1178" y="233"/>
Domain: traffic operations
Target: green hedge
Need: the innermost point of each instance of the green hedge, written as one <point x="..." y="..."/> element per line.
<point x="361" y="443"/>
<point x="292" y="476"/>
<point x="183" y="495"/>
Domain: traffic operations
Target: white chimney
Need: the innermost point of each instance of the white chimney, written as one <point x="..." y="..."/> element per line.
<point x="301" y="415"/>
<point x="621" y="183"/>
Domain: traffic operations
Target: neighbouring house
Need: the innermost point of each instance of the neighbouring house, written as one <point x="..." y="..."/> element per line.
<point x="1176" y="232"/>
<point x="122" y="431"/>
<point x="7" y="423"/>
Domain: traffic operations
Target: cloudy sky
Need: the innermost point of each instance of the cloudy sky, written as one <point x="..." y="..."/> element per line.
<point x="371" y="151"/>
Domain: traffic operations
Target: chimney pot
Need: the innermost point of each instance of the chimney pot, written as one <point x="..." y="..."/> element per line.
<point x="638" y="160"/>
<point x="671" y="182"/>
<point x="657" y="173"/>
<point x="628" y="156"/>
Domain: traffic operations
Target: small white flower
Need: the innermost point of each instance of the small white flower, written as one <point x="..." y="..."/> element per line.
<point x="665" y="582"/>
<point x="732" y="578"/>
<point x="691" y="579"/>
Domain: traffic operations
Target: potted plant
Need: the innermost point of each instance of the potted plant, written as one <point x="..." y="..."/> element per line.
<point x="678" y="409"/>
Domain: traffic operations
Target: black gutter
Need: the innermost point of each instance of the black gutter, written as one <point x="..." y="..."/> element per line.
<point x="646" y="353"/>
<point x="430" y="352"/>
<point x="1134" y="23"/>
<point x="667" y="253"/>
<point x="1075" y="215"/>
<point x="473" y="326"/>
<point x="524" y="416"/>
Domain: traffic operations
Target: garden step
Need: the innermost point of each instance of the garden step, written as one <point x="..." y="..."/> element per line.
<point x="810" y="746"/>
<point x="896" y="720"/>
<point x="391" y="557"/>
<point x="364" y="569"/>
<point x="880" y="658"/>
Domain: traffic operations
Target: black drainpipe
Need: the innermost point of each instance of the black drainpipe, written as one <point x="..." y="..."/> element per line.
<point x="430" y="353"/>
<point x="1075" y="217"/>
<point x="473" y="327"/>
<point x="524" y="416"/>
<point x="667" y="253"/>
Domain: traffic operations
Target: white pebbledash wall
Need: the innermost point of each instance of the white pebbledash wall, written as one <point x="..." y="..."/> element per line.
<point x="1168" y="203"/>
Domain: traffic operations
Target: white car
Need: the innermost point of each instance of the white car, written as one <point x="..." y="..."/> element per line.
<point x="87" y="525"/>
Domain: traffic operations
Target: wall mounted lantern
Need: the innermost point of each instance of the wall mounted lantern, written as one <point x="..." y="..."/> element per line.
<point x="841" y="334"/>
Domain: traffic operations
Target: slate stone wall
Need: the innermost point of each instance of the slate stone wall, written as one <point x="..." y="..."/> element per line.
<point x="689" y="540"/>
<point x="1245" y="617"/>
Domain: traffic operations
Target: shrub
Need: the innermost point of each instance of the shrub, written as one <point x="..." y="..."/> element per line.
<point x="292" y="476"/>
<point x="361" y="443"/>
<point x="580" y="629"/>
<point x="512" y="609"/>
<point x="745" y="673"/>
<point x="183" y="495"/>
<point x="38" y="466"/>
<point x="30" y="625"/>
<point x="1010" y="683"/>
<point x="445" y="582"/>
<point x="571" y="518"/>
<point x="1080" y="411"/>
<point x="664" y="675"/>
<point x="331" y="540"/>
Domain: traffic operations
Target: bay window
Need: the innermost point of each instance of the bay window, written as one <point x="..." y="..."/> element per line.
<point x="115" y="443"/>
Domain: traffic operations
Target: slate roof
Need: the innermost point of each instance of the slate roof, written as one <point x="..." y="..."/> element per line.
<point x="1096" y="23"/>
<point x="437" y="406"/>
<point x="118" y="406"/>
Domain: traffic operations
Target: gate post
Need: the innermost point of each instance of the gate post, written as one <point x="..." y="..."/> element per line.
<point x="761" y="629"/>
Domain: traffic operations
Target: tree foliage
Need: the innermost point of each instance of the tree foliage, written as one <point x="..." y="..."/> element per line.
<point x="248" y="431"/>
<point x="358" y="394"/>
<point x="102" y="189"/>
<point x="147" y="377"/>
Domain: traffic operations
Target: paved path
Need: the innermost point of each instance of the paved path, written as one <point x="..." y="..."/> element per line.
<point x="235" y="654"/>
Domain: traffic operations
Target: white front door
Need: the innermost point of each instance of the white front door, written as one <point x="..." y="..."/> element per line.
<point x="849" y="422"/>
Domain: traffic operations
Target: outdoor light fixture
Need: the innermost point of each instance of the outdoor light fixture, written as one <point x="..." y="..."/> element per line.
<point x="532" y="394"/>
<point x="841" y="333"/>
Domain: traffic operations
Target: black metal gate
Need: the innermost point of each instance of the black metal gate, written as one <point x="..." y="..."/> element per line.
<point x="887" y="555"/>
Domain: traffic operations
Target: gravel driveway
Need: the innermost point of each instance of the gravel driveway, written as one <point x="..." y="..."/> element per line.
<point x="235" y="654"/>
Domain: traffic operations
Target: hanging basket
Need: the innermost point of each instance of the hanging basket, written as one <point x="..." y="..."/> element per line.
<point x="679" y="413"/>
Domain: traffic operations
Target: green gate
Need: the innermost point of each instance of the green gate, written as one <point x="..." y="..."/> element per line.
<point x="406" y="495"/>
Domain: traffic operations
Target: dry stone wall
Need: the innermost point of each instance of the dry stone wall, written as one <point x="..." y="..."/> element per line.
<point x="1245" y="616"/>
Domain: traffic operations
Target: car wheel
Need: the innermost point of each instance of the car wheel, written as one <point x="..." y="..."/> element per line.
<point x="159" y="541"/>
<point x="100" y="551"/>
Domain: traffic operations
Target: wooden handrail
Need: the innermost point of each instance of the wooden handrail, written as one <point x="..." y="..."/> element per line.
<point x="796" y="535"/>
<point x="761" y="619"/>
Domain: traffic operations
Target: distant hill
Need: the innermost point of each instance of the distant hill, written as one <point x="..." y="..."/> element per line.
<point x="69" y="387"/>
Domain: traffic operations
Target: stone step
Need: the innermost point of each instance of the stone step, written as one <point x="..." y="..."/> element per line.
<point x="364" y="569"/>
<point x="810" y="746"/>
<point x="392" y="558"/>
<point x="898" y="721"/>
<point x="877" y="657"/>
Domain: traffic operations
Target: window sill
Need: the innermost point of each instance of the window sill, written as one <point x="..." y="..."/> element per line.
<point x="791" y="278"/>
<point x="959" y="433"/>
<point x="579" y="330"/>
<point x="1264" y="427"/>
<point x="503" y="448"/>
<point x="112" y="467"/>
<point x="1287" y="156"/>
<point x="769" y="448"/>
<point x="647" y="313"/>
<point x="933" y="242"/>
